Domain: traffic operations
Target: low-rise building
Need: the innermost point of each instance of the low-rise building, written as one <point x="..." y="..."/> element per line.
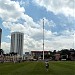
<point x="39" y="54"/>
<point x="57" y="56"/>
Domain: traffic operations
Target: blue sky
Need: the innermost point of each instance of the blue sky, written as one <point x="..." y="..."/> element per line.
<point x="27" y="16"/>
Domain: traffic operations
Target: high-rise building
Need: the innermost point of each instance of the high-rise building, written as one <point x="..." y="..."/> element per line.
<point x="0" y="37"/>
<point x="17" y="39"/>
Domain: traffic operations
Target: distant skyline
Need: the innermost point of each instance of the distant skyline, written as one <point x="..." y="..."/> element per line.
<point x="27" y="16"/>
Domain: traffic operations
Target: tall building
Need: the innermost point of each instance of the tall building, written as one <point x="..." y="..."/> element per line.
<point x="17" y="42"/>
<point x="0" y="37"/>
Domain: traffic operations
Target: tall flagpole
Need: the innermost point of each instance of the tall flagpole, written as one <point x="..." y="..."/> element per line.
<point x="43" y="39"/>
<point x="74" y="41"/>
<point x="74" y="25"/>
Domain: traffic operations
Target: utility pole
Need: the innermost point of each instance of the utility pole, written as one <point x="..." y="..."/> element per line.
<point x="43" y="39"/>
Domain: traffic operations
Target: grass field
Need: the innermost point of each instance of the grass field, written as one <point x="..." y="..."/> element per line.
<point x="38" y="68"/>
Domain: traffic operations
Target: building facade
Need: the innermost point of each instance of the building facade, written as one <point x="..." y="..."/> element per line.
<point x="0" y="37"/>
<point x="39" y="54"/>
<point x="17" y="42"/>
<point x="57" y="56"/>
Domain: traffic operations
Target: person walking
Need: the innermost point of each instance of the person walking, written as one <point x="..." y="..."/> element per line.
<point x="47" y="65"/>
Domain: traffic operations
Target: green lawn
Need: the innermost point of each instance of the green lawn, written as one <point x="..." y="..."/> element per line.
<point x="38" y="68"/>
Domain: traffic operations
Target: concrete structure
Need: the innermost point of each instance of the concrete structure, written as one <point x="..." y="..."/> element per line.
<point x="17" y="42"/>
<point x="39" y="54"/>
<point x="72" y="55"/>
<point x="57" y="56"/>
<point x="0" y="37"/>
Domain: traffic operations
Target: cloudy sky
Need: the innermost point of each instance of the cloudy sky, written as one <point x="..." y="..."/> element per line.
<point x="27" y="16"/>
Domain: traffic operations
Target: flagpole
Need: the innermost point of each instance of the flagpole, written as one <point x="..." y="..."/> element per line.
<point x="74" y="41"/>
<point x="74" y="26"/>
<point x="43" y="39"/>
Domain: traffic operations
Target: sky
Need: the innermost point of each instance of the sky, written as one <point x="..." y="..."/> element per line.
<point x="27" y="16"/>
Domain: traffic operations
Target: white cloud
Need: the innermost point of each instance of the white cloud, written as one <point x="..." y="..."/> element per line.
<point x="24" y="3"/>
<point x="14" y="26"/>
<point x="68" y="32"/>
<point x="52" y="41"/>
<point x="46" y="23"/>
<point x="65" y="7"/>
<point x="29" y="21"/>
<point x="9" y="37"/>
<point x="10" y="10"/>
<point x="6" y="47"/>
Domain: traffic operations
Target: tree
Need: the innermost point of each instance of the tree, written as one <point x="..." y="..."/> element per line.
<point x="1" y="52"/>
<point x="13" y="54"/>
<point x="64" y="52"/>
<point x="54" y="52"/>
<point x="2" y="56"/>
